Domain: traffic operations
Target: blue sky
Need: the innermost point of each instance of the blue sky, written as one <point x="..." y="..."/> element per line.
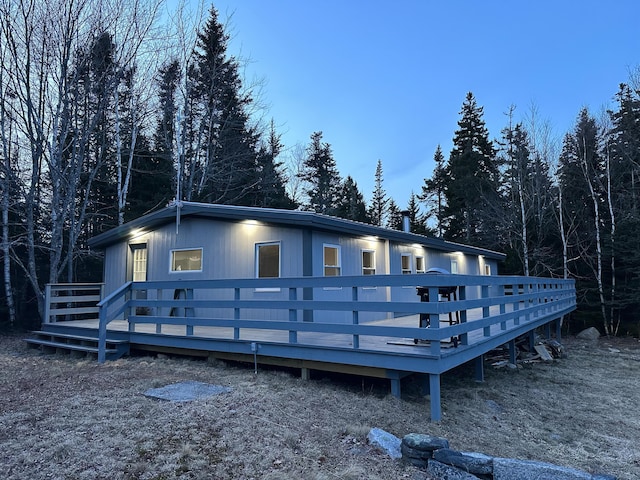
<point x="386" y="79"/>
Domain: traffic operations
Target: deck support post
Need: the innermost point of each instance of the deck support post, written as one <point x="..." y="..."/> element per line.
<point x="559" y="329"/>
<point x="395" y="387"/>
<point x="547" y="330"/>
<point x="479" y="369"/>
<point x="434" y="394"/>
<point x="532" y="340"/>
<point x="305" y="374"/>
<point x="512" y="352"/>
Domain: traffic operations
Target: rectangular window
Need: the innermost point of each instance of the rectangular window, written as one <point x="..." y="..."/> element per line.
<point x="331" y="260"/>
<point x="420" y="265"/>
<point x="405" y="262"/>
<point x="188" y="260"/>
<point x="487" y="269"/>
<point x="368" y="262"/>
<point x="268" y="260"/>
<point x="454" y="266"/>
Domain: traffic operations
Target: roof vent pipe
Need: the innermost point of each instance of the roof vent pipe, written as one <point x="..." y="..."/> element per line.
<point x="406" y="223"/>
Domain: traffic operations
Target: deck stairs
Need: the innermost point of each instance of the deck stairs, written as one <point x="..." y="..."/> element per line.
<point x="76" y="345"/>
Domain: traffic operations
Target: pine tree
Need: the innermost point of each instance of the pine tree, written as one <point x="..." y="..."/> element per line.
<point x="472" y="188"/>
<point x="433" y="191"/>
<point x="321" y="175"/>
<point x="351" y="202"/>
<point x="379" y="201"/>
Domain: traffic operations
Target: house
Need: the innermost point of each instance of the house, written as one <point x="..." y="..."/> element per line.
<point x="197" y="241"/>
<point x="302" y="290"/>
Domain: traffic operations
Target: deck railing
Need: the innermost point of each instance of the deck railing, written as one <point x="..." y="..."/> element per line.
<point x="72" y="301"/>
<point x="483" y="303"/>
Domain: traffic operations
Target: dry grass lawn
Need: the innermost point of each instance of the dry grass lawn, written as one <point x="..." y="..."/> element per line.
<point x="63" y="418"/>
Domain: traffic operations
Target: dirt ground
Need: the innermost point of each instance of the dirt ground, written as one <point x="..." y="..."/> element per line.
<point x="64" y="418"/>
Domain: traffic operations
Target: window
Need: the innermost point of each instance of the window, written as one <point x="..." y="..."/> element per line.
<point x="368" y="262"/>
<point x="405" y="262"/>
<point x="186" y="260"/>
<point x="268" y="260"/>
<point x="487" y="269"/>
<point x="454" y="266"/>
<point x="420" y="265"/>
<point x="331" y="261"/>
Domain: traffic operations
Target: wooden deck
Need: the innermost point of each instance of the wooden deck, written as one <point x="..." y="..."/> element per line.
<point x="492" y="311"/>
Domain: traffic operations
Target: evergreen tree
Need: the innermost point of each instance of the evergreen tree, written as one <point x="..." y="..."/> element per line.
<point x="321" y="175"/>
<point x="222" y="144"/>
<point x="417" y="221"/>
<point x="351" y="202"/>
<point x="394" y="217"/>
<point x="433" y="191"/>
<point x="270" y="191"/>
<point x="379" y="201"/>
<point x="472" y="187"/>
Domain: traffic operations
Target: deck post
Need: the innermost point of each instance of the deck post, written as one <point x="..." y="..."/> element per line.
<point x="102" y="334"/>
<point x="159" y="311"/>
<point x="434" y="394"/>
<point x="434" y="321"/>
<point x="547" y="330"/>
<point x="189" y="311"/>
<point x="532" y="340"/>
<point x="486" y="312"/>
<point x="236" y="313"/>
<point x="512" y="352"/>
<point x="293" y="317"/>
<point x="559" y="329"/>
<point x="47" y="304"/>
<point x="503" y="307"/>
<point x="462" y="295"/>
<point x="355" y="317"/>
<point x="479" y="369"/>
<point x="395" y="386"/>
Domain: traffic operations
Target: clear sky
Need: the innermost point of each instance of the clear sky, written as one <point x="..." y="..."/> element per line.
<point x="386" y="79"/>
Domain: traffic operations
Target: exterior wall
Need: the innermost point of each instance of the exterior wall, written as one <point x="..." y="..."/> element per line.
<point x="229" y="251"/>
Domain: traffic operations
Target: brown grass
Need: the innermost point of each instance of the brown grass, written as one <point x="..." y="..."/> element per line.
<point x="66" y="418"/>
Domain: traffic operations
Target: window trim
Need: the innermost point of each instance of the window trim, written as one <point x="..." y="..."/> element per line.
<point x="487" y="269"/>
<point x="423" y="269"/>
<point x="257" y="247"/>
<point x="171" y="259"/>
<point x="338" y="265"/>
<point x="370" y="269"/>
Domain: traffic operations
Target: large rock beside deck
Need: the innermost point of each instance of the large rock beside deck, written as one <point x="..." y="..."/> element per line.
<point x="386" y="441"/>
<point x="590" y="333"/>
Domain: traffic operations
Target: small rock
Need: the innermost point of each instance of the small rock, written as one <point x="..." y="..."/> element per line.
<point x="494" y="406"/>
<point x="386" y="441"/>
<point x="419" y="441"/>
<point x="446" y="472"/>
<point x="590" y="333"/>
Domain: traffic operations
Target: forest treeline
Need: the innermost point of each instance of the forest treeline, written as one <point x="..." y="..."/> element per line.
<point x="107" y="114"/>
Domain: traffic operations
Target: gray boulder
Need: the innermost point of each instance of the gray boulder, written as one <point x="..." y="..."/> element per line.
<point x="590" y="333"/>
<point x="386" y="441"/>
<point x="476" y="463"/>
<point x="420" y="441"/>
<point x="509" y="469"/>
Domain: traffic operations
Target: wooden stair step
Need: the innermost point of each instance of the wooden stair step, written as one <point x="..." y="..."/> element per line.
<point x="67" y="346"/>
<point x="76" y="337"/>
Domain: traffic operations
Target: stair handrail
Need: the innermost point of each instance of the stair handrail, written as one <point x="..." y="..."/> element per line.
<point x="105" y="317"/>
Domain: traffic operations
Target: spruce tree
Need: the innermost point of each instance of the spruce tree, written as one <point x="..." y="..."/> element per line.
<point x="321" y="175"/>
<point x="394" y="217"/>
<point x="417" y="221"/>
<point x="351" y="202"/>
<point x="433" y="191"/>
<point x="379" y="201"/>
<point x="472" y="188"/>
